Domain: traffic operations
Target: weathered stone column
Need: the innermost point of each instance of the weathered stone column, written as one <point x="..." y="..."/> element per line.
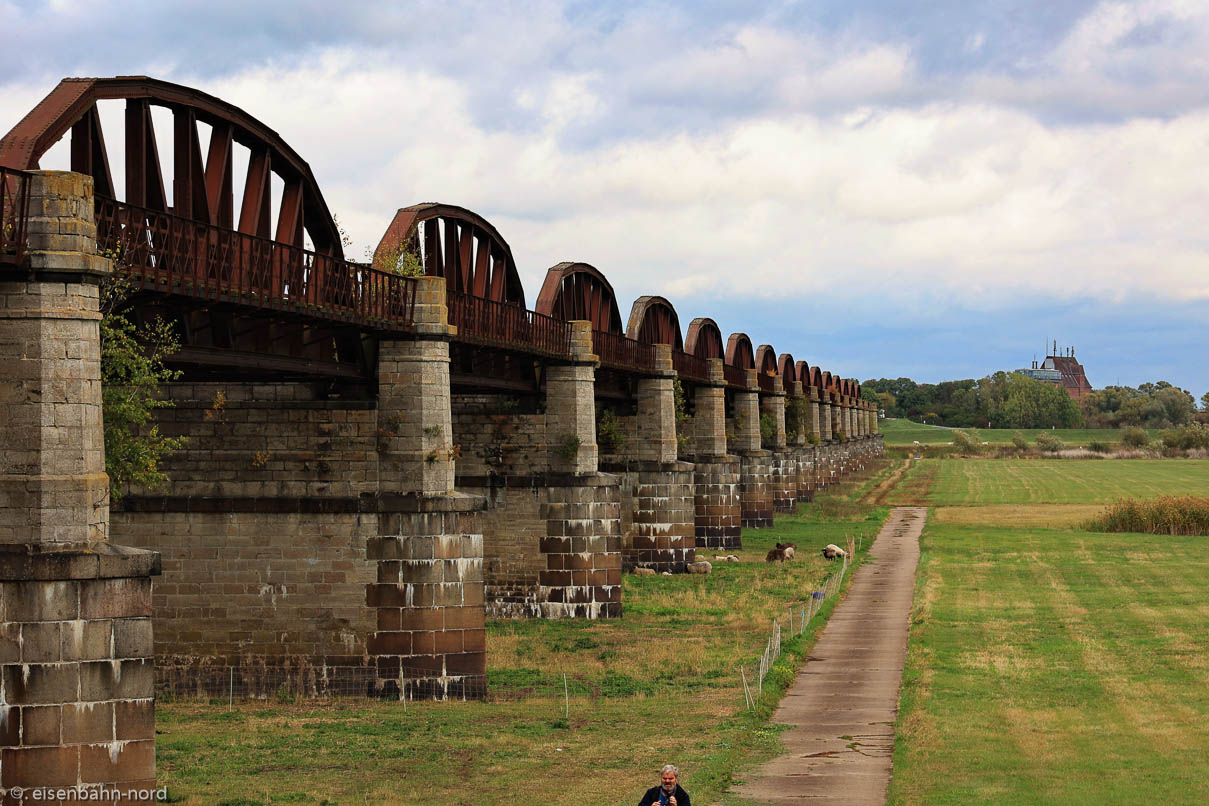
<point x="582" y="508"/>
<point x="837" y="415"/>
<point x="657" y="410"/>
<point x="797" y="407"/>
<point x="717" y="514"/>
<point x="825" y="421"/>
<point x="430" y="641"/>
<point x="874" y="424"/>
<point x="709" y="420"/>
<point x="78" y="679"/>
<point x="571" y="406"/>
<point x="815" y="428"/>
<point x="755" y="469"/>
<point x="784" y="476"/>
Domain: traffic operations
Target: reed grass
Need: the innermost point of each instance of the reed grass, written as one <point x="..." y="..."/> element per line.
<point x="1168" y="515"/>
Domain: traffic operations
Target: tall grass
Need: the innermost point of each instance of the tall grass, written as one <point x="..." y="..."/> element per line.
<point x="1160" y="516"/>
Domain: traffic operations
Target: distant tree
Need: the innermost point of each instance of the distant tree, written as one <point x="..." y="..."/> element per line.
<point x="1205" y="402"/>
<point x="1035" y="404"/>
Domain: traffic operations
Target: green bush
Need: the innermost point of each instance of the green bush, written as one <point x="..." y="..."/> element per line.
<point x="1135" y="437"/>
<point x="1049" y="443"/>
<point x="1187" y="437"/>
<point x="1161" y="516"/>
<point x="1099" y="447"/>
<point x="1019" y="441"/>
<point x="568" y="447"/>
<point x="768" y="429"/>
<point x="608" y="431"/>
<point x="967" y="441"/>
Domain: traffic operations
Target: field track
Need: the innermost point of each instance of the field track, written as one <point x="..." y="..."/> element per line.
<point x="842" y="704"/>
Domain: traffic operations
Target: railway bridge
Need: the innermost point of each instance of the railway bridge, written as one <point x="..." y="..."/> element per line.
<point x="380" y="455"/>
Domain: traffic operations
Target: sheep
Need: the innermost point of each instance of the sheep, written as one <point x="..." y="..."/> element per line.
<point x="831" y="551"/>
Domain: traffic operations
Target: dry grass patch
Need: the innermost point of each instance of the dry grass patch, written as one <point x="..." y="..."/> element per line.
<point x="1046" y="516"/>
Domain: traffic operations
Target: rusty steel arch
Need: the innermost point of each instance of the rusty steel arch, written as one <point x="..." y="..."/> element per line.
<point x="739" y="353"/>
<point x="828" y="383"/>
<point x="578" y="291"/>
<point x="802" y="369"/>
<point x="766" y="360"/>
<point x="202" y="184"/>
<point x="816" y="378"/>
<point x="457" y="244"/>
<point x="653" y="320"/>
<point x="787" y="368"/>
<point x="704" y="339"/>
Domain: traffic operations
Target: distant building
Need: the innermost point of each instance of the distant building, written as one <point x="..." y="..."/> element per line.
<point x="1061" y="370"/>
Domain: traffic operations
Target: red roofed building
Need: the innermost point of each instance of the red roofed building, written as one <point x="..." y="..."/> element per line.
<point x="1064" y="371"/>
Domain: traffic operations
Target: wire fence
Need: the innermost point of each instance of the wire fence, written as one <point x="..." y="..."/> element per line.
<point x="804" y="612"/>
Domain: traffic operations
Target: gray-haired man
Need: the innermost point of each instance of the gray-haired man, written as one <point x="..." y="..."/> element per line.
<point x="669" y="791"/>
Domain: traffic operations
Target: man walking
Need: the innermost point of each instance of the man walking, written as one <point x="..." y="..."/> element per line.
<point x="669" y="792"/>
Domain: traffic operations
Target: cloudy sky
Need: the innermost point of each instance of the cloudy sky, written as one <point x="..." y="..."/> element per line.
<point x="882" y="187"/>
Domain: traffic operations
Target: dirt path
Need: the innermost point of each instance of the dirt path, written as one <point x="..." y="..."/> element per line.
<point x="878" y="494"/>
<point x="845" y="700"/>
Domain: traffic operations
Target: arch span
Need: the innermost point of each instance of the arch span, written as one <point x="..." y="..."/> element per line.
<point x="202" y="185"/>
<point x="457" y="244"/>
<point x="739" y="353"/>
<point x="574" y="291"/>
<point x="653" y="320"/>
<point x="704" y="339"/>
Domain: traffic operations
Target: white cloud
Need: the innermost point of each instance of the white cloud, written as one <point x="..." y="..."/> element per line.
<point x="810" y="176"/>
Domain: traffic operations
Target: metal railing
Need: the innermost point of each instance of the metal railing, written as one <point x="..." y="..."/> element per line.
<point x="689" y="366"/>
<point x="500" y="324"/>
<point x="620" y="352"/>
<point x="14" y="214"/>
<point x="172" y="255"/>
<point x="735" y="376"/>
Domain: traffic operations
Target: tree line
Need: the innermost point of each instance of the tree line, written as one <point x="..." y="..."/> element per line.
<point x="1012" y="400"/>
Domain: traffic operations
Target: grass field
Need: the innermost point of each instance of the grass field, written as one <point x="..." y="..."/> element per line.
<point x="1048" y="664"/>
<point x="899" y="432"/>
<point x="660" y="684"/>
<point x="1049" y="481"/>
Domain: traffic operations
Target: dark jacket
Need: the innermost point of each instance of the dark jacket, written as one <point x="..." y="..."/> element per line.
<point x="652" y="796"/>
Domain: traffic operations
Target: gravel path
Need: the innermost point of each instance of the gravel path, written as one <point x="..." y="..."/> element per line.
<point x="845" y="700"/>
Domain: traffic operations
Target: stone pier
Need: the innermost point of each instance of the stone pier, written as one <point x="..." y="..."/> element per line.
<point x="428" y="593"/>
<point x="657" y="490"/>
<point x="755" y="464"/>
<point x="76" y="654"/>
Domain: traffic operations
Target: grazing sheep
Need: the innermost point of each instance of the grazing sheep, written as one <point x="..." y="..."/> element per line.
<point x="831" y="551"/>
<point x="788" y="548"/>
<point x="644" y="572"/>
<point x="776" y="555"/>
<point x="702" y="567"/>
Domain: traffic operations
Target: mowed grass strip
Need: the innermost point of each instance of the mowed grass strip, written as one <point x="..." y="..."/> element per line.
<point x="1048" y="666"/>
<point x="972" y="482"/>
<point x="661" y="684"/>
<point x="899" y="432"/>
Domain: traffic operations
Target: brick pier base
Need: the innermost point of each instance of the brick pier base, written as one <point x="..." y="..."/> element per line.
<point x="717" y="510"/>
<point x="785" y="481"/>
<point x="657" y="515"/>
<point x="582" y="548"/>
<point x="78" y="669"/>
<point x="755" y="488"/>
<point x="430" y="639"/>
